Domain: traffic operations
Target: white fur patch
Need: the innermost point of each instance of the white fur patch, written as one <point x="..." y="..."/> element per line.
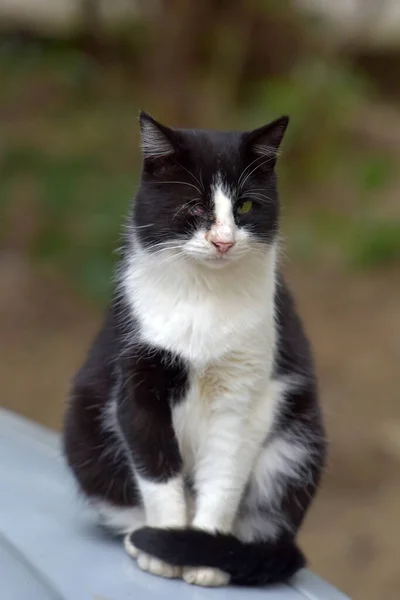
<point x="257" y="526"/>
<point x="279" y="458"/>
<point x="164" y="503"/>
<point x="198" y="313"/>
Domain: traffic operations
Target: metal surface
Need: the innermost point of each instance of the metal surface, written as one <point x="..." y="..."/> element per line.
<point x="51" y="549"/>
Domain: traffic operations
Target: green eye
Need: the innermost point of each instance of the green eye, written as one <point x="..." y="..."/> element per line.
<point x="245" y="207"/>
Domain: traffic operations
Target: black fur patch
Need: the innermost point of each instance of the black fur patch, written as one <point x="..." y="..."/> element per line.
<point x="151" y="381"/>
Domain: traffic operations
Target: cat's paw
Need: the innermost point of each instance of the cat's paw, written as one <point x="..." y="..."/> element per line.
<point x="205" y="576"/>
<point x="129" y="547"/>
<point x="158" y="567"/>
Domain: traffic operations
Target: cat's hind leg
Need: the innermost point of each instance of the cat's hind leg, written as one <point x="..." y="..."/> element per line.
<point x="118" y="519"/>
<point x="286" y="474"/>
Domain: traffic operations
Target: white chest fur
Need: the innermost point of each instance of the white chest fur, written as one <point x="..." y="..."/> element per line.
<point x="198" y="313"/>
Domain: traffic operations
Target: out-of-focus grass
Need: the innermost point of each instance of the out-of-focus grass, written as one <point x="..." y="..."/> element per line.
<point x="356" y="233"/>
<point x="79" y="204"/>
<point x="360" y="242"/>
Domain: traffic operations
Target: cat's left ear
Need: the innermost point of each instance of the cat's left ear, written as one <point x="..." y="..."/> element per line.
<point x="158" y="141"/>
<point x="265" y="141"/>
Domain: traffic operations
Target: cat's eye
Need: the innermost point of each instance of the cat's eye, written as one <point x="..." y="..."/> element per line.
<point x="196" y="211"/>
<point x="245" y="207"/>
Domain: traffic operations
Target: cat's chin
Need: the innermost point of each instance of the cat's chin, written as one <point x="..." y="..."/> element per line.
<point x="214" y="262"/>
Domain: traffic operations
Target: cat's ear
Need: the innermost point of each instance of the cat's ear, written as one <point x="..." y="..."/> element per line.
<point x="265" y="141"/>
<point x="157" y="140"/>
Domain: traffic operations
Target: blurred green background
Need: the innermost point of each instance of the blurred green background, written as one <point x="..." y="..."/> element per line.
<point x="73" y="76"/>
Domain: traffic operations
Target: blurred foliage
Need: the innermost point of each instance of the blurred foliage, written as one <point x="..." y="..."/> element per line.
<point x="69" y="156"/>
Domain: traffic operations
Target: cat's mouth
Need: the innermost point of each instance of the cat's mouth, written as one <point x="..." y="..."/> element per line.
<point x="213" y="260"/>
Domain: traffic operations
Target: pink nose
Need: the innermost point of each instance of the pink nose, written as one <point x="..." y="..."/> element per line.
<point x="223" y="246"/>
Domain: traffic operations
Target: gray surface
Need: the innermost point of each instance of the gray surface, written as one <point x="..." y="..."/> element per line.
<point x="21" y="579"/>
<point x="50" y="548"/>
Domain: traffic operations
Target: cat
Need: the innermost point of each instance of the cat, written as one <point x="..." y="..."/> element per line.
<point x="193" y="427"/>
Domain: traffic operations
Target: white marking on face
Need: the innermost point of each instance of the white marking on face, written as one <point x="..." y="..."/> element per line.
<point x="224" y="229"/>
<point x="225" y="241"/>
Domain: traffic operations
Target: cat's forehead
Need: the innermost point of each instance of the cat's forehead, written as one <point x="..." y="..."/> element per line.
<point x="216" y="144"/>
<point x="215" y="153"/>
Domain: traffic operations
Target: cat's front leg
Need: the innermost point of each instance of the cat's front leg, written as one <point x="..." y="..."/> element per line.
<point x="164" y="503"/>
<point x="148" y="388"/>
<point x="219" y="483"/>
<point x="234" y="439"/>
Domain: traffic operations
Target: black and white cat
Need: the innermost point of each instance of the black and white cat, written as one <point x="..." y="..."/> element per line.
<point x="193" y="426"/>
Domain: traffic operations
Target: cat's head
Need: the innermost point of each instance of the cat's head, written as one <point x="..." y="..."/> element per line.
<point x="208" y="196"/>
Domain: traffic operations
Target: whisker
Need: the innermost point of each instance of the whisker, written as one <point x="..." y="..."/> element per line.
<point x="201" y="182"/>
<point x="247" y="168"/>
<point x="254" y="170"/>
<point x="164" y="245"/>
<point x="140" y="226"/>
<point x="169" y="259"/>
<point x="266" y="150"/>
<point x="177" y="182"/>
<point x="191" y="174"/>
<point x="261" y="197"/>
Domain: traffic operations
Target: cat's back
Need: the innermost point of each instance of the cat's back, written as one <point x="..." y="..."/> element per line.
<point x="95" y="377"/>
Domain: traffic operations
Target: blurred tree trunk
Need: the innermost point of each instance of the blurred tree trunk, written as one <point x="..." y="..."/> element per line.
<point x="171" y="65"/>
<point x="91" y="28"/>
<point x="201" y="54"/>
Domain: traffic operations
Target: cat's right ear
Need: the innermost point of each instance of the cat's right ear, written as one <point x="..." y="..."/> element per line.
<point x="157" y="140"/>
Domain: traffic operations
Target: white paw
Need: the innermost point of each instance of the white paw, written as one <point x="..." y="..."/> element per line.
<point x="205" y="576"/>
<point x="129" y="547"/>
<point x="157" y="567"/>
